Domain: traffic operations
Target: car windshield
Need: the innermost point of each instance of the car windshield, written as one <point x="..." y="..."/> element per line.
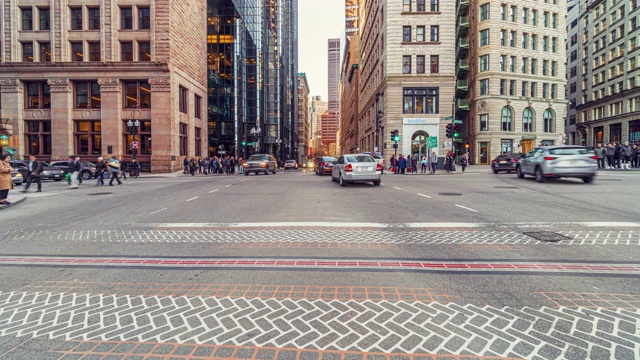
<point x="329" y="159"/>
<point x="360" y="158"/>
<point x="569" y="151"/>
<point x="258" y="158"/>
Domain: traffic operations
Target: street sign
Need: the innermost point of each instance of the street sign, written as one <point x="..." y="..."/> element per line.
<point x="449" y="118"/>
<point x="251" y="144"/>
<point x="446" y="144"/>
<point x="134" y="145"/>
<point x="457" y="121"/>
<point x="432" y="142"/>
<point x="4" y="137"/>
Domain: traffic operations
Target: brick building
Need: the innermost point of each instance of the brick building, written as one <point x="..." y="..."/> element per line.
<point x="73" y="72"/>
<point x="349" y="114"/>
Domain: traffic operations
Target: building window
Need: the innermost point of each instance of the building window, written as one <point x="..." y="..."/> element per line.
<point x="144" y="51"/>
<point x="197" y="107"/>
<point x="144" y="18"/>
<point x="512" y="13"/>
<point x="503" y="12"/>
<point x="554" y="91"/>
<point x="484" y="37"/>
<point x="406" y="34"/>
<point x="420" y="66"/>
<point x="420" y="33"/>
<point x="27" y="19"/>
<point x="45" y="52"/>
<point x="420" y="101"/>
<point x="525" y="40"/>
<point x="88" y="136"/>
<point x="435" y="5"/>
<point x="435" y="33"/>
<point x="406" y="64"/>
<point x="534" y="88"/>
<point x="525" y="15"/>
<point x="420" y="6"/>
<point x="45" y="16"/>
<point x="484" y="122"/>
<point x="527" y="120"/>
<point x="198" y="138"/>
<point x="143" y="138"/>
<point x="534" y="66"/>
<point x="545" y="91"/>
<point x="38" y="137"/>
<point x="27" y="52"/>
<point x="534" y="42"/>
<point x="548" y="119"/>
<point x="554" y="68"/>
<point x="503" y="37"/>
<point x="77" y="53"/>
<point x="506" y="146"/>
<point x="503" y="87"/>
<point x="503" y="62"/>
<point x="435" y="64"/>
<point x="184" y="140"/>
<point x="406" y="5"/>
<point x="94" y="19"/>
<point x="137" y="94"/>
<point x="512" y="64"/>
<point x="484" y="12"/>
<point x="512" y="87"/>
<point x="38" y="95"/>
<point x="484" y="63"/>
<point x="76" y="19"/>
<point x="87" y="95"/>
<point x="484" y="87"/>
<point x="126" y="18"/>
<point x="512" y="39"/>
<point x="554" y="44"/>
<point x="94" y="51"/>
<point x="126" y="51"/>
<point x="507" y="119"/>
<point x="184" y="100"/>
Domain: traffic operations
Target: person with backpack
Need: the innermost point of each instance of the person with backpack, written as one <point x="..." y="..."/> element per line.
<point x="114" y="167"/>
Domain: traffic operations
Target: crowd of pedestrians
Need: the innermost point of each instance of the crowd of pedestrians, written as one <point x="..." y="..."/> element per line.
<point x="618" y="156"/>
<point x="409" y="165"/>
<point x="224" y="165"/>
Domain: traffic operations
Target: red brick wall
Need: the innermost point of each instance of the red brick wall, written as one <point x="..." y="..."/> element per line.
<point x="189" y="37"/>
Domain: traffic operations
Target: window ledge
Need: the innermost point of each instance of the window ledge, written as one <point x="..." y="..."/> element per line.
<point x="421" y="13"/>
<point x="421" y="43"/>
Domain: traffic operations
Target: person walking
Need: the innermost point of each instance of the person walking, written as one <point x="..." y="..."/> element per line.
<point x="434" y="162"/>
<point x="635" y="156"/>
<point x="123" y="168"/>
<point x="403" y="164"/>
<point x="185" y="162"/>
<point x="625" y="155"/>
<point x="193" y="166"/>
<point x="610" y="154"/>
<point x="617" y="154"/>
<point x="600" y="153"/>
<point x="423" y="163"/>
<point x="6" y="182"/>
<point x="74" y="170"/>
<point x="34" y="168"/>
<point x="464" y="162"/>
<point x="392" y="161"/>
<point x="205" y="166"/>
<point x="101" y="169"/>
<point x="134" y="169"/>
<point x="81" y="168"/>
<point x="414" y="164"/>
<point x="240" y="168"/>
<point x="449" y="162"/>
<point x="114" y="167"/>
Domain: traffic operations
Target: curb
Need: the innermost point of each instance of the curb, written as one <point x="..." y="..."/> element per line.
<point x="13" y="203"/>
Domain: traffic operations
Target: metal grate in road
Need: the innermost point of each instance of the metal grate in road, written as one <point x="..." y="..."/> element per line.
<point x="548" y="236"/>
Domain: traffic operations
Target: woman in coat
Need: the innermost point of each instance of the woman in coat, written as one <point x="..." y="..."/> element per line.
<point x="6" y="182"/>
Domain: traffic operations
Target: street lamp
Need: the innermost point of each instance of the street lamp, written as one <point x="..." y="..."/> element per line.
<point x="279" y="143"/>
<point x="134" y="127"/>
<point x="255" y="132"/>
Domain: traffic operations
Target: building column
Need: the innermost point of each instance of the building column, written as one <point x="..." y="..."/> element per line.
<point x="111" y="117"/>
<point x="164" y="130"/>
<point x="12" y="108"/>
<point x="62" y="142"/>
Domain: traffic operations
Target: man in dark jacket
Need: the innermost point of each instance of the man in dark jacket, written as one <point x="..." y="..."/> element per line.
<point x="34" y="168"/>
<point x="403" y="164"/>
<point x="610" y="153"/>
<point x="617" y="154"/>
<point x="101" y="168"/>
<point x="635" y="153"/>
<point x="600" y="153"/>
<point x="74" y="171"/>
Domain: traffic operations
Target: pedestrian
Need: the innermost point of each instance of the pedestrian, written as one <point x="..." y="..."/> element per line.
<point x="114" y="167"/>
<point x="625" y="155"/>
<point x="34" y="168"/>
<point x="610" y="154"/>
<point x="240" y="167"/>
<point x="199" y="165"/>
<point x="6" y="182"/>
<point x="74" y="170"/>
<point x="414" y="164"/>
<point x="449" y="162"/>
<point x="403" y="164"/>
<point x="101" y="169"/>
<point x="464" y="162"/>
<point x="123" y="168"/>
<point x="600" y="154"/>
<point x="205" y="166"/>
<point x="635" y="156"/>
<point x="193" y="165"/>
<point x="134" y="168"/>
<point x="434" y="162"/>
<point x="392" y="161"/>
<point x="80" y="171"/>
<point x="423" y="163"/>
<point x="186" y="165"/>
<point x="618" y="154"/>
<point x="232" y="165"/>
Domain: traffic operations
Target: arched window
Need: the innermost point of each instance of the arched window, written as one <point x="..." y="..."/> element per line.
<point x="549" y="120"/>
<point x="527" y="120"/>
<point x="507" y="119"/>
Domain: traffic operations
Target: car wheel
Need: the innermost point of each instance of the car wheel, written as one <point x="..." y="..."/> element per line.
<point x="588" y="179"/>
<point x="539" y="176"/>
<point x="495" y="171"/>
<point x="56" y="180"/>
<point x="376" y="183"/>
<point x="519" y="172"/>
<point x="341" y="181"/>
<point x="246" y="173"/>
<point x="86" y="175"/>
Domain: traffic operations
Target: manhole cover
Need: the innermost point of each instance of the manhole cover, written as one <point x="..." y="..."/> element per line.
<point x="506" y="187"/>
<point x="103" y="193"/>
<point x="549" y="236"/>
<point x="450" y="194"/>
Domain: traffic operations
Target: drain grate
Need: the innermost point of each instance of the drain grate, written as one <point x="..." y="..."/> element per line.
<point x="450" y="194"/>
<point x="549" y="236"/>
<point x="506" y="187"/>
<point x="102" y="193"/>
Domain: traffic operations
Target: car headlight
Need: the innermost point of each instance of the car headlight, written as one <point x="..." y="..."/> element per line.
<point x="245" y="165"/>
<point x="18" y="175"/>
<point x="263" y="165"/>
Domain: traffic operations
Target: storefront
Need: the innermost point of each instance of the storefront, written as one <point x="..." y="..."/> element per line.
<point x="415" y="132"/>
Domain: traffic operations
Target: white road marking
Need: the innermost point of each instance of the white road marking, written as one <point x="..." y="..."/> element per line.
<point x="466" y="208"/>
<point x="227" y="185"/>
<point x="212" y="191"/>
<point x="157" y="211"/>
<point x="423" y="195"/>
<point x="192" y="199"/>
<point x="397" y="188"/>
<point x="382" y="184"/>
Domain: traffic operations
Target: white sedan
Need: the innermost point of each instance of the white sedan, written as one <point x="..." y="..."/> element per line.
<point x="356" y="168"/>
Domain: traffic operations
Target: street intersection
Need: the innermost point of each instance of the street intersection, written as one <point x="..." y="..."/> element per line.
<point x="291" y="266"/>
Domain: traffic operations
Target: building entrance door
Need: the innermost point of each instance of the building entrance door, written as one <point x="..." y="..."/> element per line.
<point x="527" y="145"/>
<point x="419" y="144"/>
<point x="484" y="153"/>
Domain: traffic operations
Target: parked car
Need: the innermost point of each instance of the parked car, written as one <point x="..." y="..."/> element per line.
<point x="309" y="164"/>
<point x="379" y="159"/>
<point x="356" y="168"/>
<point x="558" y="162"/>
<point x="260" y="163"/>
<point x="504" y="162"/>
<point x="291" y="164"/>
<point x="88" y="171"/>
<point x="17" y="178"/>
<point x="324" y="164"/>
<point x="48" y="172"/>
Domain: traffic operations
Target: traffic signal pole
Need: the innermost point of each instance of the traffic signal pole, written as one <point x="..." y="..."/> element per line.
<point x="453" y="117"/>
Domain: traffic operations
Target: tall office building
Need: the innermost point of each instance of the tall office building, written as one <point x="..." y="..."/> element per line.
<point x="510" y="68"/>
<point x="317" y="107"/>
<point x="608" y="91"/>
<point x="333" y="62"/>
<point x="349" y="81"/>
<point x="575" y="38"/>
<point x="304" y="123"/>
<point x="73" y="73"/>
<point x="351" y="16"/>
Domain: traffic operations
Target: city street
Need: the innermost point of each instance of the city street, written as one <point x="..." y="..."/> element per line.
<point x="293" y="266"/>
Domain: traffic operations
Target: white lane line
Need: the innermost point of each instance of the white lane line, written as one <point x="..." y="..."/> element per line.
<point x="397" y="188"/>
<point x="157" y="211"/>
<point x="227" y="185"/>
<point x="423" y="195"/>
<point x="212" y="191"/>
<point x="338" y="224"/>
<point x="192" y="199"/>
<point x="466" y="208"/>
<point x="382" y="184"/>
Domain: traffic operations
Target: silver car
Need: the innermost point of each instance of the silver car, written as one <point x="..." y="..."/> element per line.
<point x="356" y="168"/>
<point x="260" y="163"/>
<point x="558" y="162"/>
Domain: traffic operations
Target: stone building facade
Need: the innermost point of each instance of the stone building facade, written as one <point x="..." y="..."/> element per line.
<point x="73" y="72"/>
<point x="349" y="81"/>
<point x="304" y="123"/>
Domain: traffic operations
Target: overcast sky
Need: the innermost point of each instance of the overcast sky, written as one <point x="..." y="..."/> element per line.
<point x="317" y="22"/>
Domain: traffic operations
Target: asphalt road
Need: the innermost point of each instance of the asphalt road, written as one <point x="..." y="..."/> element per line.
<point x="294" y="266"/>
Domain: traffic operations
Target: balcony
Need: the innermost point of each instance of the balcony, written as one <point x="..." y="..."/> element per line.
<point x="463" y="42"/>
<point x="462" y="85"/>
<point x="463" y="4"/>
<point x="462" y="104"/>
<point x="463" y="23"/>
<point x="463" y="65"/>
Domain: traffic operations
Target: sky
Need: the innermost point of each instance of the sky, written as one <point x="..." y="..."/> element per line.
<point x="318" y="20"/>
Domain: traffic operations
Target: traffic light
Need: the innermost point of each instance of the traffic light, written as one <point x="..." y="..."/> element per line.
<point x="244" y="140"/>
<point x="456" y="132"/>
<point x="396" y="137"/>
<point x="449" y="131"/>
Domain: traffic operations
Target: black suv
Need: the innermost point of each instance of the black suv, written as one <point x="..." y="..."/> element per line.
<point x="48" y="172"/>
